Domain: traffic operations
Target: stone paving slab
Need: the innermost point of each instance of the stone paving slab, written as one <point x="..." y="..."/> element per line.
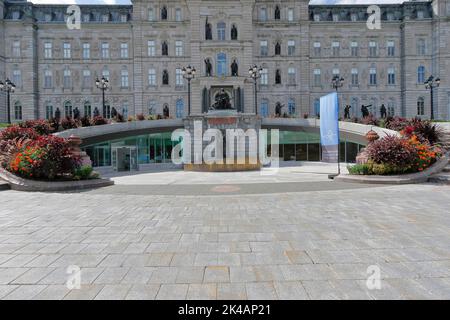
<point x="297" y="245"/>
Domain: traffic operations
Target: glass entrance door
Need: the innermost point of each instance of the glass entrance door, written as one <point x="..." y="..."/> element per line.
<point x="124" y="158"/>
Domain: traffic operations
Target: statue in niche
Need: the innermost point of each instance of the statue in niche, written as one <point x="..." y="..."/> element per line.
<point x="208" y="30"/>
<point x="165" y="49"/>
<point x="113" y="112"/>
<point x="164" y="13"/>
<point x="166" y="111"/>
<point x="222" y="101"/>
<point x="58" y="114"/>
<point x="278" y="108"/>
<point x="165" y="77"/>
<point x="234" y="69"/>
<point x="278" y="77"/>
<point x="208" y="68"/>
<point x="76" y="113"/>
<point x="96" y="112"/>
<point x="277" y="13"/>
<point x="277" y="49"/>
<point x="234" y="33"/>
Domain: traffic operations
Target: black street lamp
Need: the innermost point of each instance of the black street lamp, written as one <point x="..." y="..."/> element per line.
<point x="255" y="73"/>
<point x="8" y="87"/>
<point x="189" y="74"/>
<point x="102" y="84"/>
<point x="432" y="83"/>
<point x="337" y="82"/>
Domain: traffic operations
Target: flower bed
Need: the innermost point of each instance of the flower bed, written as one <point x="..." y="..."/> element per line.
<point x="416" y="149"/>
<point x="28" y="150"/>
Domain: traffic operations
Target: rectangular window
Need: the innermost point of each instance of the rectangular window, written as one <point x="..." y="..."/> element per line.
<point x="264" y="77"/>
<point x="291" y="47"/>
<point x="86" y="78"/>
<point x="151" y="48"/>
<point x="291" y="76"/>
<point x="317" y="77"/>
<point x="355" y="77"/>
<point x="373" y="49"/>
<point x="152" y="77"/>
<point x="86" y="50"/>
<point x="67" y="78"/>
<point x="151" y="14"/>
<point x="67" y="50"/>
<point x="48" y="79"/>
<point x="263" y="14"/>
<point x="179" y="48"/>
<point x="391" y="48"/>
<point x="17" y="77"/>
<point x="124" y="50"/>
<point x="317" y="49"/>
<point x="421" y="47"/>
<point x="16" y="49"/>
<point x="48" y="50"/>
<point x="124" y="79"/>
<point x="264" y="48"/>
<point x="354" y="49"/>
<point x="178" y="16"/>
<point x="105" y="50"/>
<point x="179" y="77"/>
<point x="373" y="76"/>
<point x="290" y="14"/>
<point x="391" y="76"/>
<point x="335" y="45"/>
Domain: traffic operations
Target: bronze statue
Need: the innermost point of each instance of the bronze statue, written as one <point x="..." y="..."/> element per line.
<point x="278" y="77"/>
<point x="164" y="13"/>
<point x="96" y="112"/>
<point x="76" y="113"/>
<point x="277" y="13"/>
<point x="208" y="31"/>
<point x="365" y="110"/>
<point x="234" y="69"/>
<point x="222" y="101"/>
<point x="278" y="108"/>
<point x="277" y="49"/>
<point x="58" y="114"/>
<point x="208" y="67"/>
<point x="165" y="49"/>
<point x="165" y="77"/>
<point x="166" y="111"/>
<point x="234" y="33"/>
<point x="347" y="111"/>
<point x="383" y="111"/>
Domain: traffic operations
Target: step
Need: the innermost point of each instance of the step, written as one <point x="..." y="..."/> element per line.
<point x="446" y="169"/>
<point x="4" y="185"/>
<point x="443" y="177"/>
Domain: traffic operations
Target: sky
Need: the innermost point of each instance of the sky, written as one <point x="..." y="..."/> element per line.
<point x="128" y="1"/>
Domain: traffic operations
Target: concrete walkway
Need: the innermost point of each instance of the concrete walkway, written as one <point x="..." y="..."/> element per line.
<point x="329" y="243"/>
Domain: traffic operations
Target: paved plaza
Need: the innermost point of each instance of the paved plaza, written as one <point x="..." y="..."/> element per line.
<point x="180" y="235"/>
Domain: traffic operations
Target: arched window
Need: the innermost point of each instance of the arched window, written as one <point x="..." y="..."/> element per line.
<point x="180" y="108"/>
<point x="355" y="106"/>
<point x="125" y="110"/>
<point x="87" y="109"/>
<point x="421" y="106"/>
<point x="152" y="107"/>
<point x="291" y="106"/>
<point x="221" y="26"/>
<point x="421" y="74"/>
<point x="391" y="108"/>
<point x="264" y="108"/>
<point x="48" y="110"/>
<point x="68" y="109"/>
<point x="317" y="107"/>
<point x="221" y="64"/>
<point x="17" y="110"/>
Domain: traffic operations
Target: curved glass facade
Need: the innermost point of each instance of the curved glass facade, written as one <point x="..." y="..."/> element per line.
<point x="157" y="148"/>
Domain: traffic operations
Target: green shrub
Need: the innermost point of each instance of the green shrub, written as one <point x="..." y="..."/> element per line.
<point x="85" y="173"/>
<point x="360" y="169"/>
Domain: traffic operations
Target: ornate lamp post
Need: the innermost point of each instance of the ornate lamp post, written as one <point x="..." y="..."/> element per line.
<point x="189" y="74"/>
<point x="255" y="73"/>
<point x="430" y="84"/>
<point x="8" y="87"/>
<point x="337" y="82"/>
<point x="102" y="84"/>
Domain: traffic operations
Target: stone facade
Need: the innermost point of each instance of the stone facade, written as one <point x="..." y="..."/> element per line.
<point x="299" y="46"/>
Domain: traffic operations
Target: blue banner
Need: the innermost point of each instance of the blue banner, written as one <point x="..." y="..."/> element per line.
<point x="329" y="127"/>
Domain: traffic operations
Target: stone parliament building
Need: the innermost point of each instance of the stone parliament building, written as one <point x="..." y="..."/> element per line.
<point x="142" y="47"/>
